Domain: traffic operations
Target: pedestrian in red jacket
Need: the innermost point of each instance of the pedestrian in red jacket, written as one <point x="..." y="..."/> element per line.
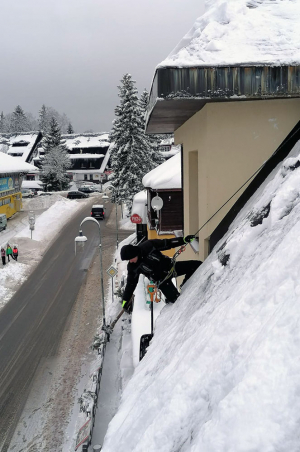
<point x="15" y="253"/>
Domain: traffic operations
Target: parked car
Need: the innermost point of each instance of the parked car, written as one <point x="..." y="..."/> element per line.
<point x="98" y="211"/>
<point x="76" y="195"/>
<point x="86" y="189"/>
<point x="3" y="221"/>
<point x="26" y="193"/>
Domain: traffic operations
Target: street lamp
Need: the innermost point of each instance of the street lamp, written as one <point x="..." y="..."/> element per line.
<point x="106" y="197"/>
<point x="80" y="241"/>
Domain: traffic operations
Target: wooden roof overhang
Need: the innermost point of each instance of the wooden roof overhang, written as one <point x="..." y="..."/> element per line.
<point x="178" y="93"/>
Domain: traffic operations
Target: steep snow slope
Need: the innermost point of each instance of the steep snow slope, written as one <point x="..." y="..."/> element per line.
<point x="223" y="371"/>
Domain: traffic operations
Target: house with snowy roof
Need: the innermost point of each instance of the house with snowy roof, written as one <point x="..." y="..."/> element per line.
<point x="22" y="145"/>
<point x="89" y="154"/>
<point x="12" y="172"/>
<point x="230" y="92"/>
<point x="165" y="181"/>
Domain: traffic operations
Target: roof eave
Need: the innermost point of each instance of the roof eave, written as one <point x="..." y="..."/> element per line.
<point x="178" y="93"/>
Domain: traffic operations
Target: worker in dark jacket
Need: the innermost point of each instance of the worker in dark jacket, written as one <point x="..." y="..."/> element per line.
<point x="147" y="259"/>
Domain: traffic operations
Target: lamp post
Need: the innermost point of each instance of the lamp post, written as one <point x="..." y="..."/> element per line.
<point x="80" y="240"/>
<point x="106" y="198"/>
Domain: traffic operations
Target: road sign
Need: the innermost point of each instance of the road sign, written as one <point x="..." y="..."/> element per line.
<point x="112" y="271"/>
<point x="135" y="218"/>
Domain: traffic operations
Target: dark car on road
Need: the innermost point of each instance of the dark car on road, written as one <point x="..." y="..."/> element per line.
<point x="98" y="211"/>
<point x="76" y="195"/>
<point x="86" y="189"/>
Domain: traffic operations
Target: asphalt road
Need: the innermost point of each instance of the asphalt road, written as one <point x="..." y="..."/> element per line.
<point x="32" y="323"/>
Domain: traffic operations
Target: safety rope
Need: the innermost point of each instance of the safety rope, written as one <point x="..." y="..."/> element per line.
<point x="183" y="247"/>
<point x="251" y="177"/>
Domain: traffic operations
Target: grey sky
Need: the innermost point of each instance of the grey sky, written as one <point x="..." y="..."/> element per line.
<point x="71" y="54"/>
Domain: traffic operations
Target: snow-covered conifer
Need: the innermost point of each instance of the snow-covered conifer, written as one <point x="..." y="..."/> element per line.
<point x="2" y="122"/>
<point x="56" y="160"/>
<point x="19" y="122"/>
<point x="153" y="139"/>
<point x="132" y="155"/>
<point x="43" y="119"/>
<point x="70" y="129"/>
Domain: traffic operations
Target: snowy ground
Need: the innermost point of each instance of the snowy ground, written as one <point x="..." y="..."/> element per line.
<point x="60" y="378"/>
<point x="52" y="212"/>
<point x="222" y="373"/>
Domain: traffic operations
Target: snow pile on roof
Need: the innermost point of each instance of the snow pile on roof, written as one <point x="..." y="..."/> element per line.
<point x="10" y="164"/>
<point x="32" y="184"/>
<point x="235" y="32"/>
<point x="223" y="370"/>
<point x="21" y="144"/>
<point x="167" y="175"/>
<point x="139" y="205"/>
<point x="86" y="140"/>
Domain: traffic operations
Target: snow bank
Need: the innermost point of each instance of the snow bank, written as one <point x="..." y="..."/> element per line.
<point x="241" y="32"/>
<point x="223" y="371"/>
<point x="49" y="223"/>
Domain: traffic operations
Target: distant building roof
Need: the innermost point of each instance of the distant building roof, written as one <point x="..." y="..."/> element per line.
<point x="9" y="164"/>
<point x="86" y="140"/>
<point x="19" y="145"/>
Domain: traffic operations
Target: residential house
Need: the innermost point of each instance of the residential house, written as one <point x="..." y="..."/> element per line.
<point x="230" y="93"/>
<point x="22" y="145"/>
<point x="89" y="154"/>
<point x="164" y="181"/>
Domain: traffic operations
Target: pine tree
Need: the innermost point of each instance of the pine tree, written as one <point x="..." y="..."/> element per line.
<point x="53" y="137"/>
<point x="153" y="139"/>
<point x="43" y="119"/>
<point x="2" y="123"/>
<point x="56" y="161"/>
<point x="19" y="122"/>
<point x="45" y="116"/>
<point x="70" y="129"/>
<point x="131" y="156"/>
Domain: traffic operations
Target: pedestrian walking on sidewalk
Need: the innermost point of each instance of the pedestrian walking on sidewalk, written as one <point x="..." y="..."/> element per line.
<point x="8" y="251"/>
<point x="15" y="253"/>
<point x="3" y="256"/>
<point x="147" y="259"/>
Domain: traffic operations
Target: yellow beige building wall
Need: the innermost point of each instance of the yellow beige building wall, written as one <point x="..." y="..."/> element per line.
<point x="223" y="145"/>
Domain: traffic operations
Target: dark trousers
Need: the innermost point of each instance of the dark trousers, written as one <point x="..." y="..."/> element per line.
<point x="3" y="260"/>
<point x="186" y="268"/>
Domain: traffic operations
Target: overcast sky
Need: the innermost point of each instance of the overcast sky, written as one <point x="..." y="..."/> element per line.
<point x="71" y="54"/>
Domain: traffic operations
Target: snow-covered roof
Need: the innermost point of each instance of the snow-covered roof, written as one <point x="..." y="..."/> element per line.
<point x="235" y="32"/>
<point x="85" y="156"/>
<point x="167" y="175"/>
<point x="139" y="205"/>
<point x="106" y="158"/>
<point x="19" y="144"/>
<point x="77" y="141"/>
<point x="32" y="184"/>
<point x="9" y="164"/>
